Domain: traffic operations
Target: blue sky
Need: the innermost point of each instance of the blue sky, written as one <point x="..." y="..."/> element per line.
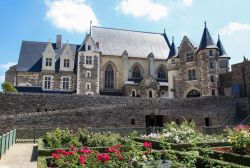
<point x="41" y="20"/>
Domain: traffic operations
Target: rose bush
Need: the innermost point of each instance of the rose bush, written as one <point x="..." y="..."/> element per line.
<point x="239" y="138"/>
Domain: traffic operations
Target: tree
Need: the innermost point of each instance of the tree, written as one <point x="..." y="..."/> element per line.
<point x="8" y="87"/>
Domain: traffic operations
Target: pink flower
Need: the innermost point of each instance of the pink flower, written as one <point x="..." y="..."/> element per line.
<point x="147" y="144"/>
<point x="85" y="150"/>
<point x="56" y="156"/>
<point x="103" y="157"/>
<point x="82" y="159"/>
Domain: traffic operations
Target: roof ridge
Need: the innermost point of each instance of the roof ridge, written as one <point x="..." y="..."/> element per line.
<point x="127" y="30"/>
<point x="47" y="42"/>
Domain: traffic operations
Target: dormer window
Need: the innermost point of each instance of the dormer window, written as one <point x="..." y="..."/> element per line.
<point x="48" y="62"/>
<point x="66" y="63"/>
<point x="88" y="60"/>
<point x="89" y="47"/>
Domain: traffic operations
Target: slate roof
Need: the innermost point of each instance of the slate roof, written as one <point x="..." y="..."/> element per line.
<point x="30" y="58"/>
<point x="173" y="50"/>
<point x="206" y="40"/>
<point x="222" y="51"/>
<point x="136" y="43"/>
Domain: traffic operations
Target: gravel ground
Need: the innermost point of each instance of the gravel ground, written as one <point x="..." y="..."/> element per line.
<point x="20" y="155"/>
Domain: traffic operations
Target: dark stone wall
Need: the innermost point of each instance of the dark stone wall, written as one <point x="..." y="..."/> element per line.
<point x="73" y="111"/>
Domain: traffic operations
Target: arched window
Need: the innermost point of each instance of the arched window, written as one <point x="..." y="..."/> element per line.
<point x="194" y="93"/>
<point x="109" y="77"/>
<point x="133" y="93"/>
<point x="161" y="73"/>
<point x="136" y="72"/>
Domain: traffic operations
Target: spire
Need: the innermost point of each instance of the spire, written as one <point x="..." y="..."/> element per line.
<point x="206" y="40"/>
<point x="173" y="50"/>
<point x="222" y="51"/>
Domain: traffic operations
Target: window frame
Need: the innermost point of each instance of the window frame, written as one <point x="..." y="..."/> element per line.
<point x="66" y="63"/>
<point x="136" y="72"/>
<point x="192" y="75"/>
<point x="48" y="62"/>
<point x="47" y="83"/>
<point x="189" y="56"/>
<point x="89" y="60"/>
<point x="65" y="83"/>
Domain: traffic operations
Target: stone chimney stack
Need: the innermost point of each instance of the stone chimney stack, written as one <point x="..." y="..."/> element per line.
<point x="58" y="41"/>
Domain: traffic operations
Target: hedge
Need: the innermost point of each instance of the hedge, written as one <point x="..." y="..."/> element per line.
<point x="184" y="146"/>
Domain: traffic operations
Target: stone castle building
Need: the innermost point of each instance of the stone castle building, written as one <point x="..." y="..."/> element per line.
<point x="121" y="62"/>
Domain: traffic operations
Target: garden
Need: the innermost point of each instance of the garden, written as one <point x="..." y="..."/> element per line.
<point x="174" y="146"/>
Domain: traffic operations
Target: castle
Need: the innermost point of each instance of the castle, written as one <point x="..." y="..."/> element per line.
<point x="122" y="62"/>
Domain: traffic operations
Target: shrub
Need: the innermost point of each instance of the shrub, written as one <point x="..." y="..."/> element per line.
<point x="8" y="87"/>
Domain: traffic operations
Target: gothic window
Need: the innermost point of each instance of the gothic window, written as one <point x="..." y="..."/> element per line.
<point x="66" y="63"/>
<point x="109" y="77"/>
<point x="48" y="62"/>
<point x="191" y="74"/>
<point x="88" y="74"/>
<point x="65" y="83"/>
<point x="47" y="82"/>
<point x="89" y="47"/>
<point x="161" y="73"/>
<point x="190" y="57"/>
<point x="136" y="72"/>
<point x="88" y="60"/>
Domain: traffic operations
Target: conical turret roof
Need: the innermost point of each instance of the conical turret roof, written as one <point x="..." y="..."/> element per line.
<point x="206" y="40"/>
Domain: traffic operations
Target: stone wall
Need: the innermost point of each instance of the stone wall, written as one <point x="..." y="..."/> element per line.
<point x="241" y="75"/>
<point x="73" y="111"/>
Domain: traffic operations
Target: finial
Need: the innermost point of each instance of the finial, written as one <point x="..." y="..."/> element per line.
<point x="90" y="28"/>
<point x="67" y="41"/>
<point x="218" y="36"/>
<point x="173" y="39"/>
<point x="164" y="31"/>
<point x="49" y="40"/>
<point x="205" y="24"/>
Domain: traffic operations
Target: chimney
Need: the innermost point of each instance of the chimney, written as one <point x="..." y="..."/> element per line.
<point x="58" y="41"/>
<point x="97" y="45"/>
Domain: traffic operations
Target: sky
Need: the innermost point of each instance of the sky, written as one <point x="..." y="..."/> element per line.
<point x="42" y="20"/>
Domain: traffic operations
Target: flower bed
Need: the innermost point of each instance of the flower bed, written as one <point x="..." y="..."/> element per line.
<point x="239" y="138"/>
<point x="183" y="134"/>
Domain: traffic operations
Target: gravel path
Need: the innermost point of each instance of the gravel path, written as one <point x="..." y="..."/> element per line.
<point x="20" y="155"/>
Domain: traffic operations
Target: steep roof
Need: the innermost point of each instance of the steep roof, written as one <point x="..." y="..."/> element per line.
<point x="173" y="50"/>
<point x="30" y="57"/>
<point x="222" y="51"/>
<point x="136" y="43"/>
<point x="206" y="40"/>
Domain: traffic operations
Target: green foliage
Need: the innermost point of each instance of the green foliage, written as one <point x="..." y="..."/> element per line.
<point x="239" y="138"/>
<point x="8" y="87"/>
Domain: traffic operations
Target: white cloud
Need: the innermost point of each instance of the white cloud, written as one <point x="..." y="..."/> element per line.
<point x="233" y="27"/>
<point x="7" y="65"/>
<point x="70" y="15"/>
<point x="143" y="8"/>
<point x="2" y="78"/>
<point x="186" y="3"/>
